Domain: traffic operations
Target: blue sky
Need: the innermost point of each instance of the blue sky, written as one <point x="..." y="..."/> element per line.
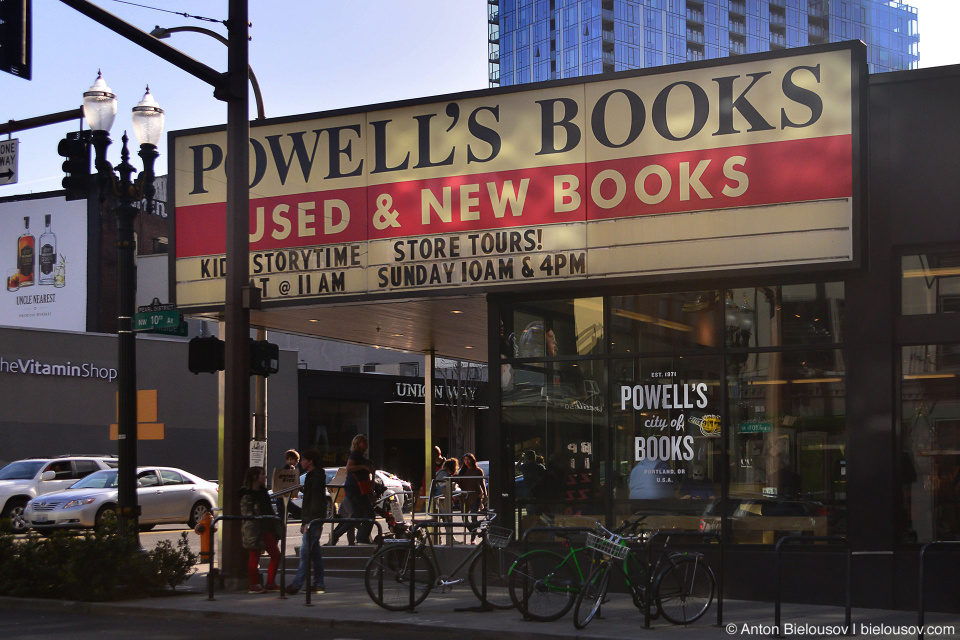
<point x="309" y="55"/>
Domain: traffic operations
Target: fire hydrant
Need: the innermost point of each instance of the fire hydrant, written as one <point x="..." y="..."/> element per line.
<point x="203" y="530"/>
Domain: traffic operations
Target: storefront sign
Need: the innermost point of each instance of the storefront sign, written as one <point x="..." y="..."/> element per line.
<point x="32" y="366"/>
<point x="720" y="166"/>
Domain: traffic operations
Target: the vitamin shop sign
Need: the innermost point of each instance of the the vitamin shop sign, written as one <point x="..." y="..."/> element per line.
<point x="713" y="167"/>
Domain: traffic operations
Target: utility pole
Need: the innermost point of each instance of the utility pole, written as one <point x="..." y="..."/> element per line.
<point x="240" y="296"/>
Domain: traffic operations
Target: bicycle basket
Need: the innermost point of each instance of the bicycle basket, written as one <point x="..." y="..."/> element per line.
<point x="608" y="546"/>
<point x="499" y="537"/>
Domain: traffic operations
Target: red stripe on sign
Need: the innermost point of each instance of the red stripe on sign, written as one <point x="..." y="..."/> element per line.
<point x="751" y="175"/>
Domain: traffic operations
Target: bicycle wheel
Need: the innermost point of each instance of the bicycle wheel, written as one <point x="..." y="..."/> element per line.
<point x="542" y="586"/>
<point x="387" y="576"/>
<point x="591" y="595"/>
<point x="499" y="562"/>
<point x="684" y="589"/>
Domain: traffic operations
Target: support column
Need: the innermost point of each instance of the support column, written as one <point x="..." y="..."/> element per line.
<point x="428" y="399"/>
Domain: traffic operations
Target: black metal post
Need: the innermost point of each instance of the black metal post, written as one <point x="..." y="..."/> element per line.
<point x="236" y="315"/>
<point x="127" y="359"/>
<point x="413" y="568"/>
<point x="211" y="575"/>
<point x="128" y="192"/>
<point x="283" y="548"/>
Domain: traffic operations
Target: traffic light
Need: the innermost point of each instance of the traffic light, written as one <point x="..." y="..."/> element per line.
<point x="206" y="355"/>
<point x="264" y="358"/>
<point x="76" y="149"/>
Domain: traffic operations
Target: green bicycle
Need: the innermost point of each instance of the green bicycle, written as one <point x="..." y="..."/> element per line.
<point x="544" y="584"/>
<point x="682" y="588"/>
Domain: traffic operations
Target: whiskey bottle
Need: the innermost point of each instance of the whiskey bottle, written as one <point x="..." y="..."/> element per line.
<point x="48" y="252"/>
<point x="26" y="255"/>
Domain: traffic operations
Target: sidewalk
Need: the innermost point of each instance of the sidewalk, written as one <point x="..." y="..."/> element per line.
<point x="347" y="607"/>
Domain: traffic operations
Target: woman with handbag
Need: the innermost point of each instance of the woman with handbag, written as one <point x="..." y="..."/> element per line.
<point x="259" y="535"/>
<point x="358" y="491"/>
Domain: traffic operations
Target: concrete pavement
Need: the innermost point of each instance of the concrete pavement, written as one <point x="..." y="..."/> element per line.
<point x="346" y="607"/>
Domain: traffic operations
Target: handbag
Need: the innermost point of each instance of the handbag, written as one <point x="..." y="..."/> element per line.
<point x="366" y="486"/>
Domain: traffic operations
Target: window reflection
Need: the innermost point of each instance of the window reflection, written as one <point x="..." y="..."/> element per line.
<point x="786" y="439"/>
<point x="930" y="283"/>
<point x="553" y="328"/>
<point x="806" y="314"/>
<point x="556" y="415"/>
<point x="664" y="322"/>
<point x="930" y="458"/>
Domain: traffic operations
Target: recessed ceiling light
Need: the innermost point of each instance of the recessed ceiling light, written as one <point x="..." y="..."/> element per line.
<point x="456" y="311"/>
<point x="396" y="335"/>
<point x="467" y="347"/>
<point x="314" y="320"/>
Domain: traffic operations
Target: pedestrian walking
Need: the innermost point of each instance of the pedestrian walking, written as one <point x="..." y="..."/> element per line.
<point x="358" y="490"/>
<point x="314" y="506"/>
<point x="259" y="535"/>
<point x="471" y="481"/>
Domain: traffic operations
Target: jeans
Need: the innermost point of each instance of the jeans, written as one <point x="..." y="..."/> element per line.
<point x="317" y="568"/>
<point x="360" y="507"/>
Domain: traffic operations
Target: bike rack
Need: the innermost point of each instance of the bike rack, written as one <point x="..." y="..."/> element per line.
<point x="212" y="573"/>
<point x="920" y="601"/>
<point x="788" y="540"/>
<point x="320" y="522"/>
<point x="684" y="534"/>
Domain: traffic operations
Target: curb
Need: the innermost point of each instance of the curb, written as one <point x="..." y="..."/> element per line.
<point x="427" y="628"/>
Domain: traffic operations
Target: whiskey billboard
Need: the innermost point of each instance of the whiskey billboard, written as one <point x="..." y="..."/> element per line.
<point x="745" y="163"/>
<point x="43" y="252"/>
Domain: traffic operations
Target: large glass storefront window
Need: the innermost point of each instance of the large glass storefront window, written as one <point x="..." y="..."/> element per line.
<point x="786" y="437"/>
<point x="930" y="432"/>
<point x="634" y="419"/>
<point x="555" y="414"/>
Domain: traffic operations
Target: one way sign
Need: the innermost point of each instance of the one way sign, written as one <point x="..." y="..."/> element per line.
<point x="8" y="161"/>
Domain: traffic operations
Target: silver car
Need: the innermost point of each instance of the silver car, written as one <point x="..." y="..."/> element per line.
<point x="165" y="495"/>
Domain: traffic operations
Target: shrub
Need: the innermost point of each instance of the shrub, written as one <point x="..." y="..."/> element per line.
<point x="93" y="567"/>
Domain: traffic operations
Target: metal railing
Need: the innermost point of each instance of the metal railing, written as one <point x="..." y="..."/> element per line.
<point x="920" y="599"/>
<point x="832" y="540"/>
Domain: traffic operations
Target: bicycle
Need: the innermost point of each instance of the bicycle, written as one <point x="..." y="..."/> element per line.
<point x="682" y="587"/>
<point x="388" y="573"/>
<point x="544" y="584"/>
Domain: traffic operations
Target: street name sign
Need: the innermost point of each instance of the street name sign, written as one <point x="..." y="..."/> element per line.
<point x="154" y="320"/>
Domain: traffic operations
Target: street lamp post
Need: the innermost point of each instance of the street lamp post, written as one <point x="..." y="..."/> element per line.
<point x="164" y="32"/>
<point x="100" y="109"/>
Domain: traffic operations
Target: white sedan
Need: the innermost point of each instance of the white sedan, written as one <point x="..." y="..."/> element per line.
<point x="165" y="495"/>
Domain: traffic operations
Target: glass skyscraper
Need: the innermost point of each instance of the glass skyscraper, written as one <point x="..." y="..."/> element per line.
<point x="534" y="40"/>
